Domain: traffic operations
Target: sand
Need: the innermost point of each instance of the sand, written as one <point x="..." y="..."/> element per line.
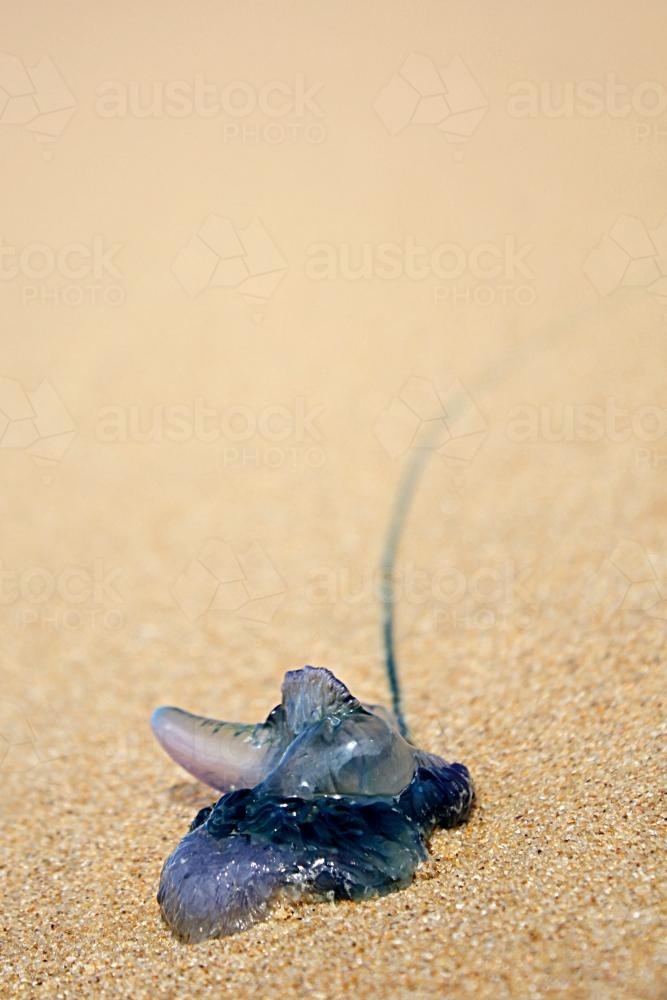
<point x="533" y="569"/>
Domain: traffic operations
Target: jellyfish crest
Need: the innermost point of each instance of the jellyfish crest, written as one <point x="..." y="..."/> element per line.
<point x="312" y="694"/>
<point x="356" y="753"/>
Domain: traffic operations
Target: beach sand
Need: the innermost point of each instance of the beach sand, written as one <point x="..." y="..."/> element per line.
<point x="533" y="568"/>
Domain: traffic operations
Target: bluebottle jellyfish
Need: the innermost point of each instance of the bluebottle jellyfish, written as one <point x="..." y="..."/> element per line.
<point x="327" y="799"/>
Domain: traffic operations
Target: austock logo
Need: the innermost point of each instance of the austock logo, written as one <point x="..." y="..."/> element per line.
<point x="274" y="112"/>
<point x="88" y="268"/>
<point x="420" y="416"/>
<point x="220" y="580"/>
<point x="220" y="256"/>
<point x="36" y="422"/>
<point x="629" y="256"/>
<point x="421" y="94"/>
<point x="629" y="580"/>
<point x="37" y="98"/>
<point x="29" y="742"/>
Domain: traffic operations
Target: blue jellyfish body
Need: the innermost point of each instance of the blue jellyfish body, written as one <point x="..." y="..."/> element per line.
<point x="324" y="800"/>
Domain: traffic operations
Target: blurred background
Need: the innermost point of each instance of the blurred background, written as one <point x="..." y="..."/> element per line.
<point x="252" y="255"/>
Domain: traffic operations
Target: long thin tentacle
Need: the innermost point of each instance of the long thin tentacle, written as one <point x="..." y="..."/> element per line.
<point x="512" y="359"/>
<point x="411" y="474"/>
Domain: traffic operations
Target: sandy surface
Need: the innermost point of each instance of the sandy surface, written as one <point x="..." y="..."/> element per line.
<point x="534" y="565"/>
